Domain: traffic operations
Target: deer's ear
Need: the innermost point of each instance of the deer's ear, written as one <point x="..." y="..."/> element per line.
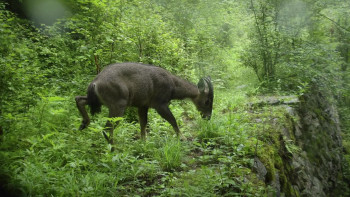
<point x="203" y="86"/>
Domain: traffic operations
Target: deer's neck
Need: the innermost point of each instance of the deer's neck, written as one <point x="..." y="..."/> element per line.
<point x="184" y="89"/>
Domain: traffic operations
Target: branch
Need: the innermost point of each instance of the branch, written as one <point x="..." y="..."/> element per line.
<point x="344" y="28"/>
<point x="256" y="18"/>
<point x="98" y="68"/>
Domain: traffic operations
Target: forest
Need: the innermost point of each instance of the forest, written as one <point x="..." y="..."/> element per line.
<point x="280" y="124"/>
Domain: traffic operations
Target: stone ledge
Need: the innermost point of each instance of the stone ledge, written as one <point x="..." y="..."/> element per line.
<point x="275" y="100"/>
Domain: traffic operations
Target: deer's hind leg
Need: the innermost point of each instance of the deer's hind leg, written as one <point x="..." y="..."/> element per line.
<point x="114" y="111"/>
<point x="81" y="101"/>
<point x="142" y="111"/>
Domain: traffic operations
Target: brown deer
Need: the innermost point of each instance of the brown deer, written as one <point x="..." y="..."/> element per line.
<point x="143" y="86"/>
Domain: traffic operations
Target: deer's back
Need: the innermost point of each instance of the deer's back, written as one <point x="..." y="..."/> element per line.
<point x="137" y="84"/>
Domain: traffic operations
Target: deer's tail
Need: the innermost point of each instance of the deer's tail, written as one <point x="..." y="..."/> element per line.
<point x="93" y="100"/>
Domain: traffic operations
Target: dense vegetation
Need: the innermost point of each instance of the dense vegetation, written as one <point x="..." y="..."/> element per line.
<point x="249" y="48"/>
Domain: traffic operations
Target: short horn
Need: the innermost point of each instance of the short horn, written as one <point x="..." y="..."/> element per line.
<point x="203" y="85"/>
<point x="208" y="80"/>
<point x="209" y="83"/>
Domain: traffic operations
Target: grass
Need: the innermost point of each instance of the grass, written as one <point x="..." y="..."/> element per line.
<point x="43" y="154"/>
<point x="170" y="154"/>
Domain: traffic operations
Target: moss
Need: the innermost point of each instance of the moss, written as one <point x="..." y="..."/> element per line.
<point x="283" y="180"/>
<point x="319" y="113"/>
<point x="270" y="158"/>
<point x="346" y="145"/>
<point x="278" y="162"/>
<point x="278" y="127"/>
<point x="286" y="185"/>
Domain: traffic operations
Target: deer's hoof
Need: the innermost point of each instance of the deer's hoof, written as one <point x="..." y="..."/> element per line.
<point x="82" y="126"/>
<point x="183" y="138"/>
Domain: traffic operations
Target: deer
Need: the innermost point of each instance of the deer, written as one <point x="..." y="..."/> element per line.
<point x="143" y="86"/>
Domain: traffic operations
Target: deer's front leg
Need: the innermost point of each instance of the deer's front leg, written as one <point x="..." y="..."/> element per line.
<point x="164" y="111"/>
<point x="81" y="101"/>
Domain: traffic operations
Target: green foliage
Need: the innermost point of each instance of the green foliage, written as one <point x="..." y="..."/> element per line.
<point x="64" y="161"/>
<point x="42" y="68"/>
<point x="170" y="154"/>
<point x="20" y="76"/>
<point x="289" y="47"/>
<point x="263" y="54"/>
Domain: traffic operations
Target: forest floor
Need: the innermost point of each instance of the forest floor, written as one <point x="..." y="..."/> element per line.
<point x="48" y="155"/>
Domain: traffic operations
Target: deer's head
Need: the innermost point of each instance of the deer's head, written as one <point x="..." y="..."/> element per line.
<point x="204" y="101"/>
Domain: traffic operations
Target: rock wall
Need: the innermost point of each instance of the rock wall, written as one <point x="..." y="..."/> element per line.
<point x="307" y="145"/>
<point x="319" y="136"/>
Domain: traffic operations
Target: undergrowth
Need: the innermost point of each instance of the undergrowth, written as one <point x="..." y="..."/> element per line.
<point x="45" y="154"/>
